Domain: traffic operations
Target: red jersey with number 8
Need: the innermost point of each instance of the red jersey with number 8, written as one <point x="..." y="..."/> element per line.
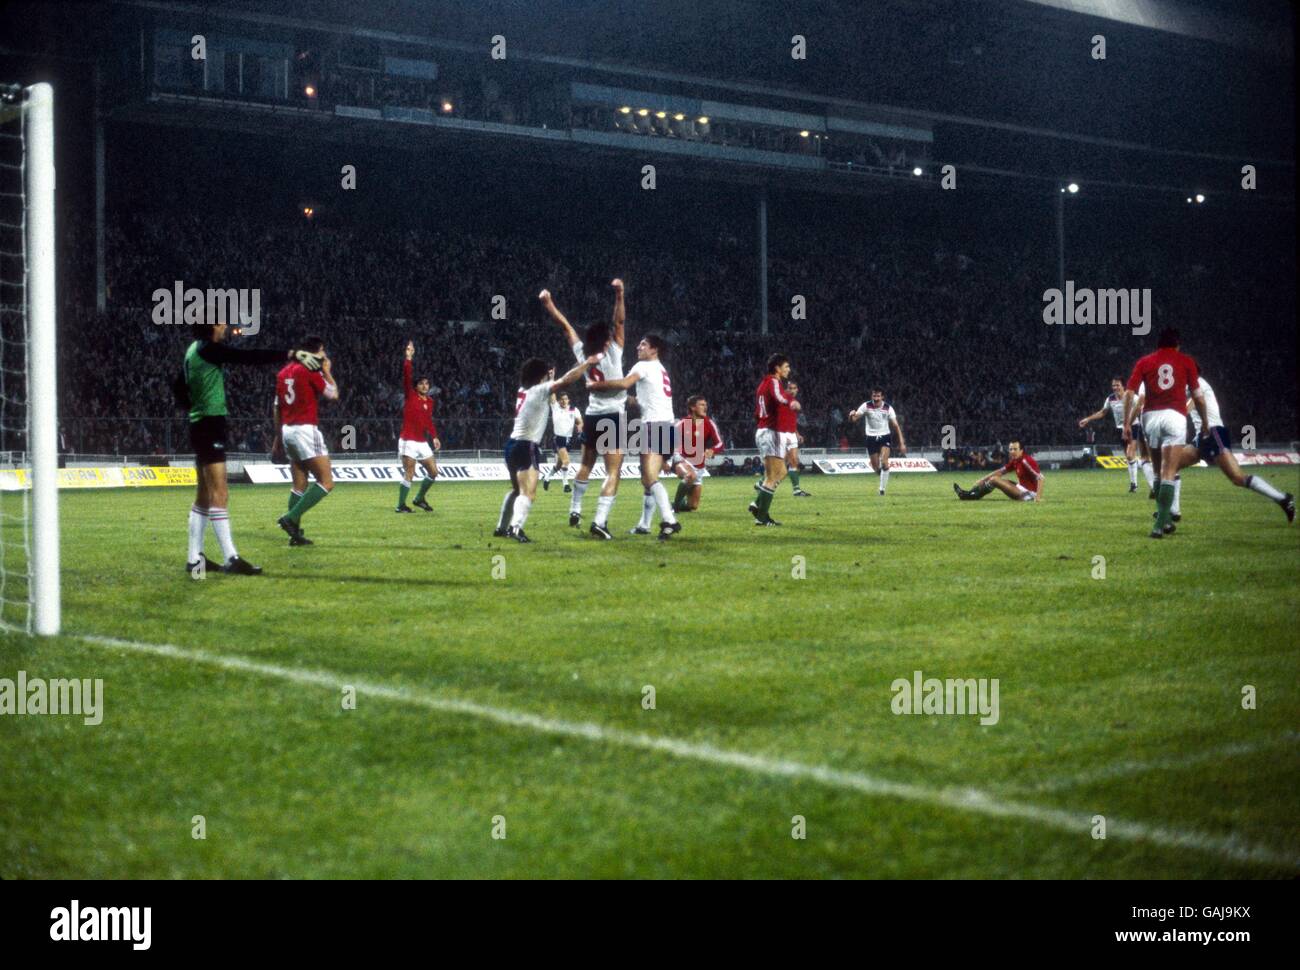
<point x="1170" y="377"/>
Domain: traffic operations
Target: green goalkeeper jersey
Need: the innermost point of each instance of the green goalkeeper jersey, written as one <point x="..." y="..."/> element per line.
<point x="207" y="385"/>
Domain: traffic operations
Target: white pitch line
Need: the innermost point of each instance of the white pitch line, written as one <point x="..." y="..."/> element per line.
<point x="1122" y="769"/>
<point x="970" y="800"/>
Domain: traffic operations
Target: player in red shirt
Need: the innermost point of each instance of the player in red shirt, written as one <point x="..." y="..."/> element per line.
<point x="1171" y="378"/>
<point x="788" y="424"/>
<point x="773" y="409"/>
<point x="298" y="439"/>
<point x="1028" y="486"/>
<point x="419" y="438"/>
<point x="698" y="440"/>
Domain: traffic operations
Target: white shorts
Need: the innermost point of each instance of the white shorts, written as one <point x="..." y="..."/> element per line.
<point x="1024" y="494"/>
<point x="1164" y="427"/>
<point x="303" y="442"/>
<point x="789" y="441"/>
<point x="417" y="450"/>
<point x="697" y="472"/>
<point x="772" y="443"/>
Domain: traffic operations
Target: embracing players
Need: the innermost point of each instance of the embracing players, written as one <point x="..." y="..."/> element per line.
<point x="298" y="438"/>
<point x="880" y="425"/>
<point x="771" y="410"/>
<point x="419" y="438"/>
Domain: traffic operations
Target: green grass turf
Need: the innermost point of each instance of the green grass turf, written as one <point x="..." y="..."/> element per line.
<point x="1116" y="694"/>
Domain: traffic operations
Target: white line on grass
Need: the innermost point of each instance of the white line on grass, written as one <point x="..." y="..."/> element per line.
<point x="970" y="800"/>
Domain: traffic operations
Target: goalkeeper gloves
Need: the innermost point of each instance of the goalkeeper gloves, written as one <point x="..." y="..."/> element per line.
<point x="308" y="359"/>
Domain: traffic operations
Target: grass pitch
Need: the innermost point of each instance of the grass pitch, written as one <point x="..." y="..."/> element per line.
<point x="514" y="705"/>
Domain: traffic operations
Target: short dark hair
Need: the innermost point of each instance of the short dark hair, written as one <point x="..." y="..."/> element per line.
<point x="594" y="340"/>
<point x="1119" y="379"/>
<point x="312" y="342"/>
<point x="877" y="390"/>
<point x="533" y="372"/>
<point x="1017" y="441"/>
<point x="775" y="361"/>
<point x="657" y="342"/>
<point x="1169" y="337"/>
<point x="694" y="399"/>
<point x="422" y="380"/>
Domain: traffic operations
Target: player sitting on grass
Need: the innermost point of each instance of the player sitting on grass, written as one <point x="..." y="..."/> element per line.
<point x="298" y="438"/>
<point x="1029" y="480"/>
<point x="419" y="438"/>
<point x="697" y="441"/>
<point x="202" y="386"/>
<point x="523" y="457"/>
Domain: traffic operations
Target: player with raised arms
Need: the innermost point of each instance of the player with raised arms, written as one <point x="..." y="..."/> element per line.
<point x="201" y="387"/>
<point x="1170" y="377"/>
<point x="419" y="438"/>
<point x="298" y="438"/>
<point x="605" y="412"/>
<point x="1029" y="478"/>
<point x="654" y="395"/>
<point x="1114" y="406"/>
<point x="564" y="418"/>
<point x="881" y="425"/>
<point x="770" y="401"/>
<point x="522" y="454"/>
<point x="698" y="439"/>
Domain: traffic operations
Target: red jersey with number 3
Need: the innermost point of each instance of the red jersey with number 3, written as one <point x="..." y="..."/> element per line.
<point x="770" y="402"/>
<point x="1170" y="377"/>
<point x="417" y="413"/>
<point x="297" y="388"/>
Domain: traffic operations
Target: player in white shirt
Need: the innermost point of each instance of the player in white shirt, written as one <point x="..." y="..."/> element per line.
<point x="881" y="425"/>
<point x="1214" y="447"/>
<point x="564" y="418"/>
<point x="536" y="385"/>
<point x="1114" y="405"/>
<point x="654" y="395"/>
<point x="605" y="412"/>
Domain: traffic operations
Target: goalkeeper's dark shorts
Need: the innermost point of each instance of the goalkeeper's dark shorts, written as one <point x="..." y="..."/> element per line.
<point x="208" y="438"/>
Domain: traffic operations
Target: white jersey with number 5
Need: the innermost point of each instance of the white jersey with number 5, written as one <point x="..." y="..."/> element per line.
<point x="654" y="390"/>
<point x="608" y="368"/>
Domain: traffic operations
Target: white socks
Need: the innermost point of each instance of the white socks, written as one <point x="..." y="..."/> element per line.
<point x="579" y="490"/>
<point x="220" y="520"/>
<point x="1133" y="473"/>
<point x="647" y="511"/>
<point x="884" y="477"/>
<point x="660" y="495"/>
<point x="198" y="523"/>
<point x="1257" y="484"/>
<point x="1177" y="507"/>
<point x="1149" y="474"/>
<point x="603" y="505"/>
<point x="522" y="504"/>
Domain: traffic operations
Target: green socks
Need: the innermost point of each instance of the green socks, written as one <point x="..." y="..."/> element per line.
<point x="309" y="498"/>
<point x="293" y="498"/>
<point x="424" y="488"/>
<point x="679" y="499"/>
<point x="764" y="500"/>
<point x="979" y="491"/>
<point x="403" y="490"/>
<point x="1164" y="505"/>
<point x="794" y="479"/>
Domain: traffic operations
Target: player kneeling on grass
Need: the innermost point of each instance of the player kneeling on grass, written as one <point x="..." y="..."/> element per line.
<point x="523" y="457"/>
<point x="201" y="386"/>
<point x="698" y="440"/>
<point x="654" y="395"/>
<point x="1029" y="480"/>
<point x="298" y="438"/>
<point x="419" y="438"/>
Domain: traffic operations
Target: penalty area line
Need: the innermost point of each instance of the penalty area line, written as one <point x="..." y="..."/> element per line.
<point x="968" y="800"/>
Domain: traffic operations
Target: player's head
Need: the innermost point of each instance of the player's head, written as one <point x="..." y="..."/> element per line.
<point x="792" y="388"/>
<point x="1116" y="385"/>
<point x="697" y="406"/>
<point x="779" y="364"/>
<point x="650" y="347"/>
<point x="1169" y="337"/>
<point x="563" y="399"/>
<point x="877" y="396"/>
<point x="534" y="371"/>
<point x="1015" y="449"/>
<point x="597" y="338"/>
<point x="313" y="343"/>
<point x="422" y="387"/>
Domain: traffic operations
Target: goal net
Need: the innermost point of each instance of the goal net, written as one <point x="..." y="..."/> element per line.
<point x="29" y="517"/>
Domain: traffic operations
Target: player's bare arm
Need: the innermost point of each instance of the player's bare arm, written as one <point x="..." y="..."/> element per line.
<point x="548" y="303"/>
<point x="612" y="386"/>
<point x="898" y="430"/>
<point x="1095" y="416"/>
<point x="1130" y="411"/>
<point x="620" y="311"/>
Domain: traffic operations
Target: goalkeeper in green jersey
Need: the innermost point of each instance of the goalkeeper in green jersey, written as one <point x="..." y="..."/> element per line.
<point x="202" y="387"/>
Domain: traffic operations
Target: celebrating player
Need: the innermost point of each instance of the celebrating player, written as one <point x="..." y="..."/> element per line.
<point x="1029" y="479"/>
<point x="419" y="438"/>
<point x="789" y="426"/>
<point x="1114" y="404"/>
<point x="605" y="412"/>
<point x="1169" y="376"/>
<point x="770" y="401"/>
<point x="202" y="385"/>
<point x="881" y="425"/>
<point x="564" y="417"/>
<point x="698" y="439"/>
<point x="299" y="439"/>
<point x="654" y="395"/>
<point x="536" y="385"/>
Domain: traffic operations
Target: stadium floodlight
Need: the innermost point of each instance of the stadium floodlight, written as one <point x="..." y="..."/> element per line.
<point x="29" y="573"/>
<point x="803" y="134"/>
<point x="661" y="114"/>
<point x="703" y="120"/>
<point x="1199" y="198"/>
<point x="1073" y="188"/>
<point x="309" y="91"/>
<point x="679" y="117"/>
<point x="643" y="112"/>
<point x="447" y="107"/>
<point x="625" y="110"/>
<point x="918" y="171"/>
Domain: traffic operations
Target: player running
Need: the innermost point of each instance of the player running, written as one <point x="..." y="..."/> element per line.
<point x="1114" y="406"/>
<point x="419" y="438"/>
<point x="1169" y="376"/>
<point x="1214" y="447"/>
<point x="881" y="425"/>
<point x="605" y="412"/>
<point x="789" y="425"/>
<point x="536" y="385"/>
<point x="654" y="395"/>
<point x="298" y="438"/>
<point x="564" y="418"/>
<point x="1029" y="479"/>
<point x="770" y="402"/>
<point x="202" y="386"/>
<point x="698" y="440"/>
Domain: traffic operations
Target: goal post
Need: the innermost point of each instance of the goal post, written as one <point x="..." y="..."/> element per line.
<point x="42" y="389"/>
